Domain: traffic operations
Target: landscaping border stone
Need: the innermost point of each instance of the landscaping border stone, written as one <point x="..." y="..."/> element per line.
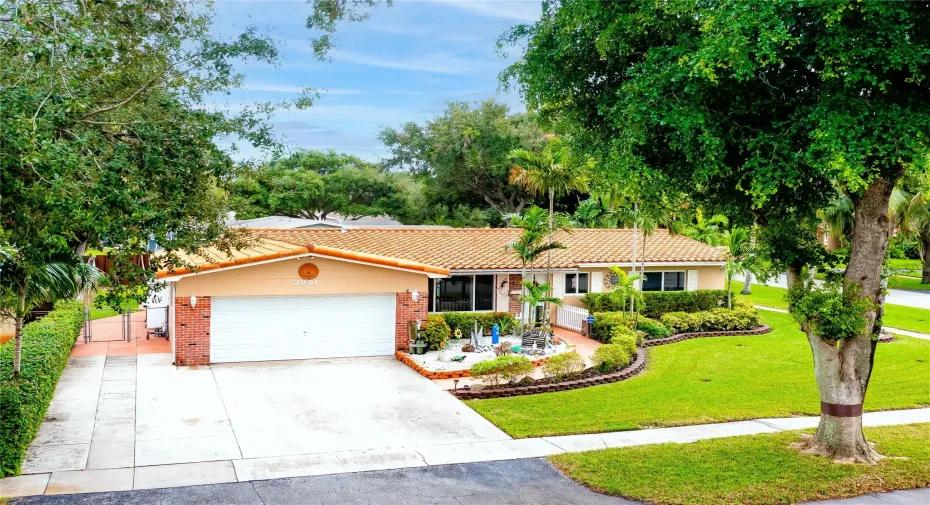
<point x="634" y="368"/>
<point x="444" y="374"/>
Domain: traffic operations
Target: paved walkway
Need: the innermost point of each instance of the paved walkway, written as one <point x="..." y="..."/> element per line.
<point x="252" y="469"/>
<point x="107" y="338"/>
<point x="524" y="481"/>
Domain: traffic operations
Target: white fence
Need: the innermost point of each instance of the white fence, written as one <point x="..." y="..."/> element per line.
<point x="570" y="317"/>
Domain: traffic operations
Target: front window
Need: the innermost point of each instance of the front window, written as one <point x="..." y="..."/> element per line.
<point x="576" y="284"/>
<point x="463" y="293"/>
<point x="664" y="281"/>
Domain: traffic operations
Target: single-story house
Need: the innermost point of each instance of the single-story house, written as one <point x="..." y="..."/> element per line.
<point x="322" y="293"/>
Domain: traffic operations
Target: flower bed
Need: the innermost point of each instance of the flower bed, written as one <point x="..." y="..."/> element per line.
<point x="439" y="364"/>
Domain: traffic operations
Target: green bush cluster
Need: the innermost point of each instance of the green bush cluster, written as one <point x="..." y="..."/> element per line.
<point x="623" y="336"/>
<point x="24" y="398"/>
<point x="507" y="368"/>
<point x="604" y="324"/>
<point x="436" y="331"/>
<point x="656" y="303"/>
<point x="742" y="317"/>
<point x="465" y="321"/>
<point x="611" y="357"/>
<point x="653" y="329"/>
<point x="562" y="366"/>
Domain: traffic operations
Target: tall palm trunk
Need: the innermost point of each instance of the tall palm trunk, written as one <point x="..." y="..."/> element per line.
<point x="633" y="269"/>
<point x="549" y="252"/>
<point x="747" y="284"/>
<point x="925" y="257"/>
<point x="642" y="273"/>
<point x="18" y="332"/>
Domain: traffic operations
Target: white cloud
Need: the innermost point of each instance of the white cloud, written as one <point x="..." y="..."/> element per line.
<point x="525" y="11"/>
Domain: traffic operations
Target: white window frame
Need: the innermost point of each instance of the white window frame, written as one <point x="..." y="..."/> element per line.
<point x="662" y="280"/>
<point x="578" y="277"/>
<point x="474" y="286"/>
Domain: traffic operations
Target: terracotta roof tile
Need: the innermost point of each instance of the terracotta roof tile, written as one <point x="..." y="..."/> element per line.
<point x="486" y="248"/>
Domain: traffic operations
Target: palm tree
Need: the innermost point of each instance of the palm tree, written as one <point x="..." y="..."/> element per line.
<point x="625" y="290"/>
<point x="535" y="294"/>
<point x="590" y="213"/>
<point x="739" y="252"/>
<point x="911" y="215"/>
<point x="29" y="288"/>
<point x="531" y="243"/>
<point x="838" y="217"/>
<point x="552" y="172"/>
<point x="707" y="230"/>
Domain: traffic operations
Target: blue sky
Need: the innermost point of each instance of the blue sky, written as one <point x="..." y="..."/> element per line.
<point x="403" y="64"/>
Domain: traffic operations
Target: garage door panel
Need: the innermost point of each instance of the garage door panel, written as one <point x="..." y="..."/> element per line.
<point x="301" y="327"/>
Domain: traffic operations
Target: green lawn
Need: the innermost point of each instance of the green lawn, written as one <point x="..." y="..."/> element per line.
<point x="753" y="470"/>
<point x="896" y="316"/>
<point x="906" y="267"/>
<point x="908" y="283"/>
<point x="713" y="380"/>
<point x="101" y="313"/>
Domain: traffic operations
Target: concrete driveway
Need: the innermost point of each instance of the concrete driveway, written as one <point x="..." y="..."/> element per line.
<point x="135" y="422"/>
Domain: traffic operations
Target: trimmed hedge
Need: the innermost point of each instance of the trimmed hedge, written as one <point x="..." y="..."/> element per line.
<point x="436" y="331"/>
<point x="604" y="324"/>
<point x="465" y="321"/>
<point x="563" y="366"/>
<point x="610" y="357"/>
<point x="47" y="344"/>
<point x="742" y="317"/>
<point x="661" y="302"/>
<point x="507" y="368"/>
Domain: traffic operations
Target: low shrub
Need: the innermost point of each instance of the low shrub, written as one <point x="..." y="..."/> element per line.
<point x="508" y="368"/>
<point x="465" y="321"/>
<point x="24" y="398"/>
<point x="657" y="303"/>
<point x="741" y="317"/>
<point x="611" y="357"/>
<point x="436" y="331"/>
<point x="621" y="335"/>
<point x="652" y="328"/>
<point x="562" y="366"/>
<point x="604" y="323"/>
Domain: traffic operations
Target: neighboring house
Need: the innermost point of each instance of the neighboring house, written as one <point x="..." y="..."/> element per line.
<point x="335" y="221"/>
<point x="320" y="293"/>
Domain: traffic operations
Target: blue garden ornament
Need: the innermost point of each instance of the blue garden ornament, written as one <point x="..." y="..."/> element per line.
<point x="495" y="335"/>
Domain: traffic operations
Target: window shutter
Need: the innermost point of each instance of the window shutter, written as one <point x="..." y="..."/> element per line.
<point x="597" y="282"/>
<point x="558" y="285"/>
<point x="692" y="280"/>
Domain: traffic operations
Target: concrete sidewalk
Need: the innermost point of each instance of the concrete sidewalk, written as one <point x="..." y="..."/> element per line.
<point x="524" y="481"/>
<point x="254" y="469"/>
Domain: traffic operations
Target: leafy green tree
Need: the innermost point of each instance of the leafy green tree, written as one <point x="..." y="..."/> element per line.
<point x="466" y="151"/>
<point x="755" y="109"/>
<point x="551" y="171"/>
<point x="313" y="185"/>
<point x="104" y="135"/>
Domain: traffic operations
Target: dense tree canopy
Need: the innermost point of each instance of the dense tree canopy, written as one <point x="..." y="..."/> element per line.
<point x="313" y="184"/>
<point x="466" y="152"/>
<point x="756" y="110"/>
<point x="103" y="138"/>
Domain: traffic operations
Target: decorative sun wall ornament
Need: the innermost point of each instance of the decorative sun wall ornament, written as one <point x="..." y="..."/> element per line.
<point x="308" y="271"/>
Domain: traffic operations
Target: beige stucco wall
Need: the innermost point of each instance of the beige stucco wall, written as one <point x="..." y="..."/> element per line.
<point x="709" y="277"/>
<point x="277" y="278"/>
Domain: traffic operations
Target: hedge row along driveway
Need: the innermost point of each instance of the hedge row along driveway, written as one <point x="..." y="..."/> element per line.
<point x="710" y="380"/>
<point x="47" y="344"/>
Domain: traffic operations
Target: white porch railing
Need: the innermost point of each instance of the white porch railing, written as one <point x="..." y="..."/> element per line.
<point x="570" y="318"/>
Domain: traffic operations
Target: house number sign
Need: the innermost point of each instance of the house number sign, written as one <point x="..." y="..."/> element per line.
<point x="308" y="273"/>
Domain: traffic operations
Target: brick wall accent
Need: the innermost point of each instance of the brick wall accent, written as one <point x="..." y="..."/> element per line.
<point x="408" y="310"/>
<point x="192" y="331"/>
<point x="513" y="284"/>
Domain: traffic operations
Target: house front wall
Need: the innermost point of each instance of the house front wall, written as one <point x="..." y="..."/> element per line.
<point x="708" y="277"/>
<point x="191" y="324"/>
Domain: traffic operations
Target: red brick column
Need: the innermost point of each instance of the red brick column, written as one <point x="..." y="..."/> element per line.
<point x="513" y="284"/>
<point x="408" y="310"/>
<point x="192" y="331"/>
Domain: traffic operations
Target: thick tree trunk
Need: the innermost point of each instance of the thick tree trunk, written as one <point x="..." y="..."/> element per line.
<point x="843" y="368"/>
<point x="747" y="284"/>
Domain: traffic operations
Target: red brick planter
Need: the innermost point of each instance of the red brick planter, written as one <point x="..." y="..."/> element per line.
<point x="449" y="374"/>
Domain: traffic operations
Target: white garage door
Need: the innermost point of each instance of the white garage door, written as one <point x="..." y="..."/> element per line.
<point x="301" y="327"/>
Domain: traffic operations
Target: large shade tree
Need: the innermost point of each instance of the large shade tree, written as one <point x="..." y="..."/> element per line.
<point x="756" y="109"/>
<point x="105" y="140"/>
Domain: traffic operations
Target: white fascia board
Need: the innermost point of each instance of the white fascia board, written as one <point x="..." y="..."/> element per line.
<point x="657" y="264"/>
